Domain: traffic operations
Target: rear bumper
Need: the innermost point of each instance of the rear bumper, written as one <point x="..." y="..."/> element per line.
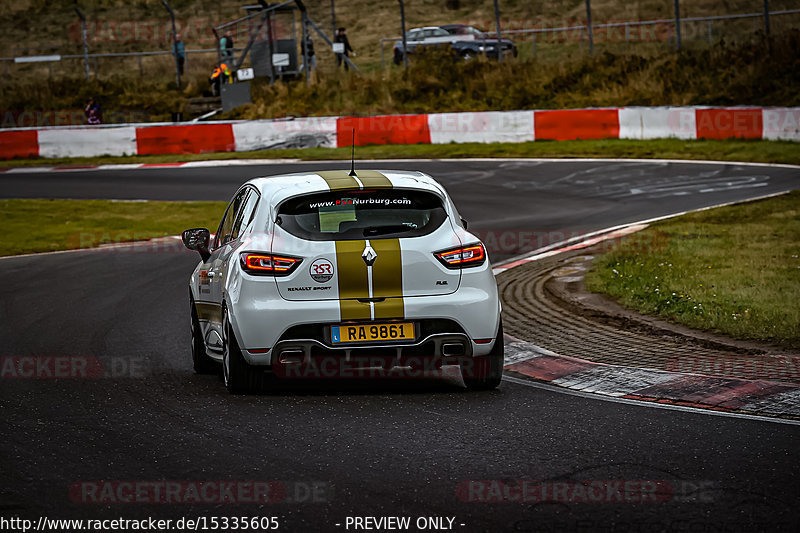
<point x="262" y="321"/>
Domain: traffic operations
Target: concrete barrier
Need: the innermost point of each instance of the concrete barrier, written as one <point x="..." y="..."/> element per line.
<point x="774" y="123"/>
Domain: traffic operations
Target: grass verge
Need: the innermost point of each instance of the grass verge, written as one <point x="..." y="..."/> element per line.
<point x="31" y="226"/>
<point x="756" y="151"/>
<point x="733" y="270"/>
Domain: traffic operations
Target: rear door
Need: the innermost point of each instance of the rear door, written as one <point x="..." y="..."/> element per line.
<point x="367" y="248"/>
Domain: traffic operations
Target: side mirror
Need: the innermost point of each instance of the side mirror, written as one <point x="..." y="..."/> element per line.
<point x="197" y="239"/>
<point x="464" y="222"/>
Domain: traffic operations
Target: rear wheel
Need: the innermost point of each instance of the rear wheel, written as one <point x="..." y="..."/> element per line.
<point x="239" y="376"/>
<point x="201" y="362"/>
<point x="485" y="372"/>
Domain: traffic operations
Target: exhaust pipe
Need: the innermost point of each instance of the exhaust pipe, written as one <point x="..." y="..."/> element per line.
<point x="453" y="349"/>
<point x="292" y="356"/>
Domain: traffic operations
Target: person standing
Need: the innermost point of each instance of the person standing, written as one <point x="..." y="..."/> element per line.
<point x="226" y="46"/>
<point x="341" y="37"/>
<point x="92" y="112"/>
<point x="179" y="50"/>
<point x="215" y="80"/>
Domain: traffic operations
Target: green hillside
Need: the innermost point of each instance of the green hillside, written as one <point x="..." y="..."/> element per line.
<point x="739" y="67"/>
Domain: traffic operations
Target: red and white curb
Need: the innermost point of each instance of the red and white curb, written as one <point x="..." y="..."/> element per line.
<point x="758" y="397"/>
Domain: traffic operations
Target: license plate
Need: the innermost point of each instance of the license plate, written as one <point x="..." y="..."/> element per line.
<point x="395" y="331"/>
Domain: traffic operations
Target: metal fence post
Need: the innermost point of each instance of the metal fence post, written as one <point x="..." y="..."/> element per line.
<point x="589" y="26"/>
<point x="333" y="17"/>
<point x="499" y="35"/>
<point x="534" y="45"/>
<point x="678" y="24"/>
<point x="710" y="37"/>
<point x="403" y="29"/>
<point x="766" y="17"/>
<point x="306" y="38"/>
<point x="85" y="44"/>
<point x="174" y="42"/>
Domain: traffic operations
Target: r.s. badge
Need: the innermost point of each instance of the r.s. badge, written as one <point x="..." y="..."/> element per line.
<point x="321" y="270"/>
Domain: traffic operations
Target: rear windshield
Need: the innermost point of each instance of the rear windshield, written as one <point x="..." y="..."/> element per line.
<point x="362" y="214"/>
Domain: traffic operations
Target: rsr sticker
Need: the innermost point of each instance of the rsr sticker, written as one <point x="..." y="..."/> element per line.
<point x="321" y="270"/>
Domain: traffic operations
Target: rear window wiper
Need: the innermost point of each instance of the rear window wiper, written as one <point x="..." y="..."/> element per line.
<point x="383" y="230"/>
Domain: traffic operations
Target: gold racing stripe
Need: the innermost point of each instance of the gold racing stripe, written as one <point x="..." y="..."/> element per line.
<point x="338" y="179"/>
<point x="387" y="272"/>
<point x="209" y="311"/>
<point x="373" y="179"/>
<point x="387" y="278"/>
<point x="353" y="280"/>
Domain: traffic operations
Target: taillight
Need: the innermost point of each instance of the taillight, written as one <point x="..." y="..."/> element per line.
<point x="463" y="257"/>
<point x="268" y="265"/>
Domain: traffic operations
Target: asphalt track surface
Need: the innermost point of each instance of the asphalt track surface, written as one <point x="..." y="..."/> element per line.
<point x="398" y="447"/>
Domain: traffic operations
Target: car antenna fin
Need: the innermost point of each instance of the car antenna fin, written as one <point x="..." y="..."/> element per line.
<point x="353" y="157"/>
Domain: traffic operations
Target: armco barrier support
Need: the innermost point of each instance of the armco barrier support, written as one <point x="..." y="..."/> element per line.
<point x="731" y="122"/>
<point x="657" y="123"/>
<point x="87" y="142"/>
<point x="296" y="133"/>
<point x="577" y="124"/>
<point x="778" y="123"/>
<point x="781" y="123"/>
<point x="23" y="144"/>
<point x="481" y="127"/>
<point x="389" y="129"/>
<point x="194" y="139"/>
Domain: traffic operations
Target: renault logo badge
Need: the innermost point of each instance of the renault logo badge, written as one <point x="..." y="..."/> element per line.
<point x="369" y="256"/>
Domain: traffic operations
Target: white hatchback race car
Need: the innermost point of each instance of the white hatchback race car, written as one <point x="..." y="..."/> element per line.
<point x="325" y="274"/>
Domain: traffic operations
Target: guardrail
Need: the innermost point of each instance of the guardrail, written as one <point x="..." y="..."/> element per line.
<point x="776" y="123"/>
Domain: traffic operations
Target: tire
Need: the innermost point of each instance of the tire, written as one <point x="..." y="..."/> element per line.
<point x="467" y="55"/>
<point x="485" y="372"/>
<point x="201" y="362"/>
<point x="239" y="377"/>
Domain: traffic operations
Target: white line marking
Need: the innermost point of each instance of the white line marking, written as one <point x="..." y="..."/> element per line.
<point x="638" y="403"/>
<point x="267" y="162"/>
